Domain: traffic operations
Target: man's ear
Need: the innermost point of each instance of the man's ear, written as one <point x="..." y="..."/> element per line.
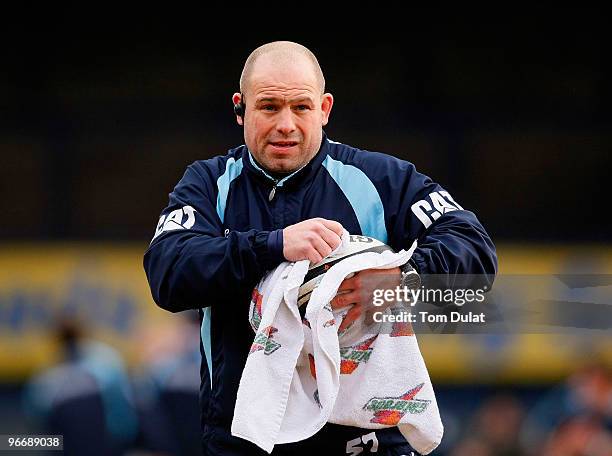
<point x="237" y="98"/>
<point x="327" y="101"/>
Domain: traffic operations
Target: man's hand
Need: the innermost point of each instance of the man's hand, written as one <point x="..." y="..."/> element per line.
<point x="357" y="292"/>
<point x="312" y="239"/>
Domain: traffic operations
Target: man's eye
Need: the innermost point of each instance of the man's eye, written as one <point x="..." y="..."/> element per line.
<point x="302" y="107"/>
<point x="268" y="108"/>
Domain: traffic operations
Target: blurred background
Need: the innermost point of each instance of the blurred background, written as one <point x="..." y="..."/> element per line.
<point x="101" y="118"/>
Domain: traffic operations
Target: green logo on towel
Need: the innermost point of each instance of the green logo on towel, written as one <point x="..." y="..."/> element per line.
<point x="352" y="356"/>
<point x="390" y="410"/>
<point x="263" y="341"/>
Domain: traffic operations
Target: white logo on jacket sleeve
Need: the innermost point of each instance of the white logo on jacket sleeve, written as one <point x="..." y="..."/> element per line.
<point x="441" y="203"/>
<point x="175" y="220"/>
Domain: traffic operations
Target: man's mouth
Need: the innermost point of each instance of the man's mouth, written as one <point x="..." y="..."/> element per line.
<point x="284" y="144"/>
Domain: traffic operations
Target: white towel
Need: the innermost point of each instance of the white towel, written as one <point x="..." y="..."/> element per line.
<point x="300" y="374"/>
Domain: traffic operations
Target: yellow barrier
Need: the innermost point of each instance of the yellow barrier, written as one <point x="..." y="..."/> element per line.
<point x="102" y="285"/>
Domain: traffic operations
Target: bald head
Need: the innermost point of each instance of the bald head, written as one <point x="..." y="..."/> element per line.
<point x="284" y="107"/>
<point x="281" y="54"/>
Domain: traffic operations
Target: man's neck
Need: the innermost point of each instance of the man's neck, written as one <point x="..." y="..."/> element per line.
<point x="281" y="175"/>
<point x="277" y="175"/>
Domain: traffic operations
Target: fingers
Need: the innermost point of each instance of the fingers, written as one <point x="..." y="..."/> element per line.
<point x="350" y="283"/>
<point x="327" y="230"/>
<point x="312" y="239"/>
<point x="333" y="226"/>
<point x="321" y="247"/>
<point x="345" y="286"/>
<point x="330" y="237"/>
<point x="344" y="299"/>
<point x="325" y="240"/>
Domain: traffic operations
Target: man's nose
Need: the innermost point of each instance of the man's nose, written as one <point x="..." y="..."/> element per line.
<point x="285" y="123"/>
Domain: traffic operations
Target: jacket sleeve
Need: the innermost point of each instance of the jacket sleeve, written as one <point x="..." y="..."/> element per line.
<point x="191" y="262"/>
<point x="452" y="245"/>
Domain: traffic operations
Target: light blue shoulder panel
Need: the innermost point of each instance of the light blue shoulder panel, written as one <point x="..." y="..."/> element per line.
<point x="233" y="168"/>
<point x="362" y="196"/>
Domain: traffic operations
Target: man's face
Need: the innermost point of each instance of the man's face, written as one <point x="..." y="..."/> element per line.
<point x="285" y="113"/>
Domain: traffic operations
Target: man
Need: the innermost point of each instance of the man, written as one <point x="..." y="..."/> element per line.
<point x="286" y="195"/>
<point x="86" y="397"/>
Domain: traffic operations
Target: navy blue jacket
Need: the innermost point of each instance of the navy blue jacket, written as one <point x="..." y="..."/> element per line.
<point x="222" y="230"/>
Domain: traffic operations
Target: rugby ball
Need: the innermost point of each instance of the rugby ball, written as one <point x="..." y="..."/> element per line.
<point x="357" y="244"/>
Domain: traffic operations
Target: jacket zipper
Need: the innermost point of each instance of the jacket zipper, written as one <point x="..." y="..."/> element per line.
<point x="272" y="192"/>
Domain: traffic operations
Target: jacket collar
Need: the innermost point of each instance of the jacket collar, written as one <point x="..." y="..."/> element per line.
<point x="297" y="177"/>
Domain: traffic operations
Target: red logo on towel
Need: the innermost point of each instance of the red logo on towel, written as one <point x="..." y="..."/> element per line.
<point x="390" y="410"/>
<point x="401" y="328"/>
<point x="355" y="354"/>
<point x="329" y="323"/>
<point x="257" y="301"/>
<point x="313" y="370"/>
